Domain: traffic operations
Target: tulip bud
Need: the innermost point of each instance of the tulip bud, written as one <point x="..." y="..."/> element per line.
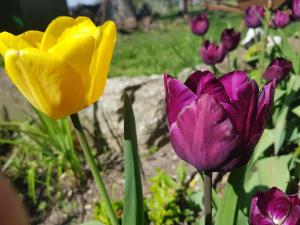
<point x="296" y="8"/>
<point x="278" y="69"/>
<point x="275" y="207"/>
<point x="211" y="53"/>
<point x="253" y="15"/>
<point x="230" y="39"/>
<point x="214" y="124"/>
<point x="281" y="19"/>
<point x="199" y="25"/>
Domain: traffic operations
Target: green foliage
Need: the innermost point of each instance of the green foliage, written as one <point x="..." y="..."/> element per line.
<point x="92" y="223"/>
<point x="41" y="152"/>
<point x="100" y="214"/>
<point x="169" y="201"/>
<point x="133" y="213"/>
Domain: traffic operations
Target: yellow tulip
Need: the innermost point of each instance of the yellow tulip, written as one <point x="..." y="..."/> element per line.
<point x="64" y="69"/>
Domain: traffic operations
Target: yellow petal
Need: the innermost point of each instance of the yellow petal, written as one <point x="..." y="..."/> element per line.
<point x="77" y="52"/>
<point x="63" y="27"/>
<point x="10" y="41"/>
<point x="33" y="37"/>
<point x="84" y="26"/>
<point x="48" y="83"/>
<point x="101" y="59"/>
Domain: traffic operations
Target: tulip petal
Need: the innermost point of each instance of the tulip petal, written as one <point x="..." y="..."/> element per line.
<point x="177" y="97"/>
<point x="101" y="59"/>
<point x="203" y="135"/>
<point x="63" y="27"/>
<point x="205" y="82"/>
<point x="48" y="83"/>
<point x="265" y="101"/>
<point x="256" y="217"/>
<point x="33" y="37"/>
<point x="10" y="41"/>
<point x="275" y="204"/>
<point x="295" y="200"/>
<point x="77" y="52"/>
<point x="232" y="81"/>
<point x="294" y="216"/>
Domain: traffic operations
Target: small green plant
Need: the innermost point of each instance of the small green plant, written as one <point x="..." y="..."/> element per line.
<point x="169" y="202"/>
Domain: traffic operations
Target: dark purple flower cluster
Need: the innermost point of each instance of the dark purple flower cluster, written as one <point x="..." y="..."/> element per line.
<point x="199" y="24"/>
<point x="253" y="16"/>
<point x="281" y="19"/>
<point x="278" y="69"/>
<point x="212" y="53"/>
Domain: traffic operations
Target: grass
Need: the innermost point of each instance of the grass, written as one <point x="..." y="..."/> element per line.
<point x="168" y="48"/>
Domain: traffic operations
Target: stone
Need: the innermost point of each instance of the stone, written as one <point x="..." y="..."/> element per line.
<point x="147" y="96"/>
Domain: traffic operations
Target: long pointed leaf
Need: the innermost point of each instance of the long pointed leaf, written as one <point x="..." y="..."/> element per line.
<point x="133" y="204"/>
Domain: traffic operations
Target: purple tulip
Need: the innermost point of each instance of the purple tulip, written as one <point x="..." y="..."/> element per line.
<point x="278" y="69"/>
<point x="199" y="25"/>
<point x="211" y="53"/>
<point x="281" y="19"/>
<point x="253" y="15"/>
<point x="230" y="39"/>
<point x="296" y="8"/>
<point x="214" y="124"/>
<point x="275" y="207"/>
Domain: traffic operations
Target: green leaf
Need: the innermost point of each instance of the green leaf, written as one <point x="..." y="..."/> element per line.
<point x="264" y="143"/>
<point x="270" y="172"/>
<point x="133" y="203"/>
<point x="227" y="207"/>
<point x="242" y="219"/>
<point x="280" y="129"/>
<point x="92" y="223"/>
<point x="296" y="110"/>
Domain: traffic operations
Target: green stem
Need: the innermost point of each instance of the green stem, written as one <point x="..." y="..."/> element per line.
<point x="208" y="198"/>
<point x="93" y="167"/>
<point x="228" y="62"/>
<point x="264" y="43"/>
<point x="214" y="69"/>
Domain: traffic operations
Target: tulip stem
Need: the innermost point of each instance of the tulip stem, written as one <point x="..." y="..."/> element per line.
<point x="208" y="197"/>
<point x="214" y="69"/>
<point x="93" y="167"/>
<point x="228" y="62"/>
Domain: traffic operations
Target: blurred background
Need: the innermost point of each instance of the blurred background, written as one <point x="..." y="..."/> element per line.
<point x="152" y="31"/>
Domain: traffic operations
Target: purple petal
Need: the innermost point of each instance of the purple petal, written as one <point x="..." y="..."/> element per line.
<point x="203" y="135"/>
<point x="275" y="204"/>
<point x="232" y="81"/>
<point x="256" y="217"/>
<point x="265" y="102"/>
<point x="243" y="108"/>
<point x="206" y="83"/>
<point x="295" y="200"/>
<point x="177" y="97"/>
<point x="294" y="217"/>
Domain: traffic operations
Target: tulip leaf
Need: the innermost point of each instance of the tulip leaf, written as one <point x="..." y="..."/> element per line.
<point x="264" y="143"/>
<point x="242" y="218"/>
<point x="227" y="207"/>
<point x="270" y="172"/>
<point x="133" y="203"/>
<point x="280" y="129"/>
<point x="296" y="110"/>
<point x="92" y="223"/>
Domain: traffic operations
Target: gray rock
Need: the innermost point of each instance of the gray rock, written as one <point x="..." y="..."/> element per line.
<point x="147" y="96"/>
